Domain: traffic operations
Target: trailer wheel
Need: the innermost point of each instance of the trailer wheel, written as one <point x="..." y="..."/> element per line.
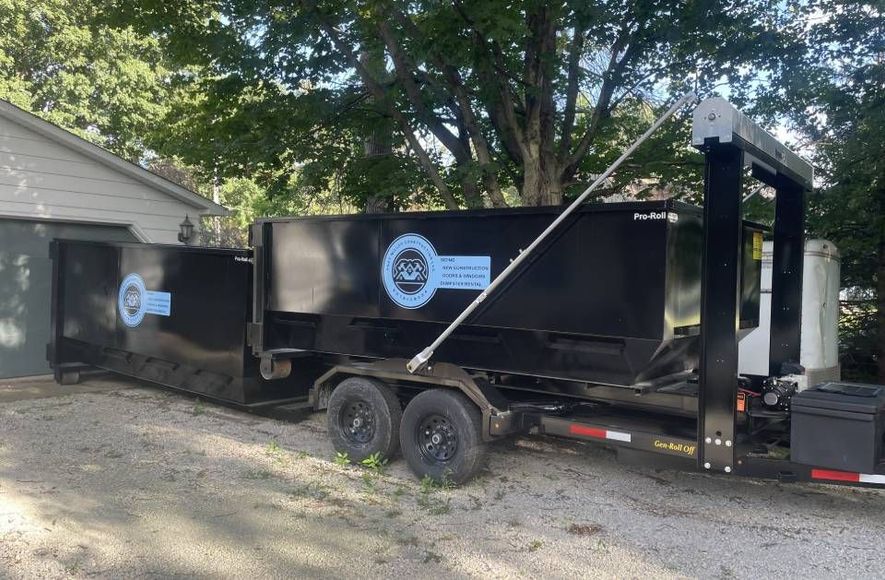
<point x="441" y="436"/>
<point x="364" y="418"/>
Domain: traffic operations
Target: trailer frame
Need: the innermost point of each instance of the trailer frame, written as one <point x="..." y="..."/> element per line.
<point x="729" y="142"/>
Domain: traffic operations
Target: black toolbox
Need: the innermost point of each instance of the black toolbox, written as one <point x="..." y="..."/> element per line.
<point x="839" y="426"/>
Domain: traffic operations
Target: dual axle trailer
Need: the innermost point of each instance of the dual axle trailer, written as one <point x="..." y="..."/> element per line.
<point x="434" y="334"/>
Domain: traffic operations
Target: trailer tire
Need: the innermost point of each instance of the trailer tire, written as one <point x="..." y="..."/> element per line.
<point x="364" y="418"/>
<point x="441" y="436"/>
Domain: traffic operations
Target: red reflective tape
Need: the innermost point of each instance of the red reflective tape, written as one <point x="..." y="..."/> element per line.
<point x="575" y="429"/>
<point x="835" y="475"/>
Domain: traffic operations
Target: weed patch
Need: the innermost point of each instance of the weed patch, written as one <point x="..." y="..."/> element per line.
<point x="584" y="529"/>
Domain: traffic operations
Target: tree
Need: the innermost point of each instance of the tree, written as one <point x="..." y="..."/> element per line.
<point x="848" y="125"/>
<point x="482" y="96"/>
<point x="833" y="91"/>
<point x="105" y="83"/>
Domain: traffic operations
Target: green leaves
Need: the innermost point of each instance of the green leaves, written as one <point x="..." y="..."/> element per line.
<point x="482" y="90"/>
<point x="59" y="60"/>
<point x="834" y="95"/>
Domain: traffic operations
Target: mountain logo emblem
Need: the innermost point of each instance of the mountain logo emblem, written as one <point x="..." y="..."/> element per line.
<point x="410" y="271"/>
<point x="131" y="302"/>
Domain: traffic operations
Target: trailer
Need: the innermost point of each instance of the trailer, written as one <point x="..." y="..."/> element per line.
<point x="434" y="334"/>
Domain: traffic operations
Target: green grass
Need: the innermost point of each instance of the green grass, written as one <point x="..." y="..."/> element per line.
<point x="376" y="462"/>
<point x="311" y="490"/>
<point x="429" y="484"/>
<point x="434" y="505"/>
<point x="258" y="474"/>
<point x="369" y="482"/>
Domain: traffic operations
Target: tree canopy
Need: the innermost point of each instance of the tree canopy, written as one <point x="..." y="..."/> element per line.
<point x="841" y="91"/>
<point x="478" y="98"/>
<point x="59" y="60"/>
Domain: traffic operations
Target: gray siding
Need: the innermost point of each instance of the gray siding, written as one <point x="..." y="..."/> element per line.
<point x="41" y="179"/>
<point x="26" y="286"/>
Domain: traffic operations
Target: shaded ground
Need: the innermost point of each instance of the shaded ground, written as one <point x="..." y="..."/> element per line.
<point x="43" y="387"/>
<point x="142" y="482"/>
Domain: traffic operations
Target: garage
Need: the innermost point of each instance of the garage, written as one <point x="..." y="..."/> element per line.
<point x="25" y="274"/>
<point x="54" y="184"/>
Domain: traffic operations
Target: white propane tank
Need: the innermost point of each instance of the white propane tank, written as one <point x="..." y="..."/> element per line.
<point x="819" y="347"/>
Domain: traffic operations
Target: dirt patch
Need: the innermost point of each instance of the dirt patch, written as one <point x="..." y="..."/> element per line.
<point x="143" y="482"/>
<point x="584" y="529"/>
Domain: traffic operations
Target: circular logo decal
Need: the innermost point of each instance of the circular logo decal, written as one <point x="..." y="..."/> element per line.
<point x="130" y="301"/>
<point x="410" y="271"/>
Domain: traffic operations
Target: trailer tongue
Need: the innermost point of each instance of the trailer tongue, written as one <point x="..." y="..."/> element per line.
<point x="616" y="323"/>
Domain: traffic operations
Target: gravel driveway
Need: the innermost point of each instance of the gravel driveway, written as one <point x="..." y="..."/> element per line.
<point x="133" y="481"/>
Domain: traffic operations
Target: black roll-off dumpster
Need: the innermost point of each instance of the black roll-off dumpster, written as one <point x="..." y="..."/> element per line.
<point x="613" y="298"/>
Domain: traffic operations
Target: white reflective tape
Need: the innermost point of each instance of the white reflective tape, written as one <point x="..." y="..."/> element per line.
<point x="618" y="436"/>
<point x="878" y="479"/>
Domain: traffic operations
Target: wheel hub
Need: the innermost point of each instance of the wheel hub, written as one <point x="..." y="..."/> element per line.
<point x="358" y="422"/>
<point x="437" y="438"/>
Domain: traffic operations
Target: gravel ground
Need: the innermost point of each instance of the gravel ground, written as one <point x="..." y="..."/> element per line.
<point x="139" y="482"/>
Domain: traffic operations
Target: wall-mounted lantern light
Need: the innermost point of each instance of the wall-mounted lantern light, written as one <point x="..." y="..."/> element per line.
<point x="187" y="231"/>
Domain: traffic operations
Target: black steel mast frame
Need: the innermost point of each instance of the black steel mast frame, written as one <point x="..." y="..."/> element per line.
<point x="730" y="141"/>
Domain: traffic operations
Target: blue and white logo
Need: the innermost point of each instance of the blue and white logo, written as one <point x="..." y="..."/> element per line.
<point x="135" y="300"/>
<point x="412" y="271"/>
<point x="131" y="302"/>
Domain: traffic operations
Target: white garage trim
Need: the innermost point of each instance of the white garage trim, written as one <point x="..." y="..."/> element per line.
<point x="135" y="229"/>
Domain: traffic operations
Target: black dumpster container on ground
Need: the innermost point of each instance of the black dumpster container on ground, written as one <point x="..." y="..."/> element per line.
<point x="172" y="315"/>
<point x="612" y="298"/>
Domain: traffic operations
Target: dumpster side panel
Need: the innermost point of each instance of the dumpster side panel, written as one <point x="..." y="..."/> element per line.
<point x="325" y="267"/>
<point x="588" y="305"/>
<point x="612" y="297"/>
<point x="201" y="319"/>
<point x="602" y="274"/>
<point x="172" y="315"/>
<point x="88" y="301"/>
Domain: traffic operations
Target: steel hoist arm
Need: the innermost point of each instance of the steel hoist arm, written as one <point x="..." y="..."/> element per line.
<point x="422" y="358"/>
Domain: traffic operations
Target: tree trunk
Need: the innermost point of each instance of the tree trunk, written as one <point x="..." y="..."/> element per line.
<point x="541" y="182"/>
<point x="379" y="142"/>
<point x="880" y="279"/>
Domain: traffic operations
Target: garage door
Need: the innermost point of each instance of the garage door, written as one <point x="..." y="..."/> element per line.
<point x="25" y="288"/>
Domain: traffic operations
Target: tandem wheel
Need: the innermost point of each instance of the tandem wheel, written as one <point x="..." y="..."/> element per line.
<point x="441" y="436"/>
<point x="363" y="418"/>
